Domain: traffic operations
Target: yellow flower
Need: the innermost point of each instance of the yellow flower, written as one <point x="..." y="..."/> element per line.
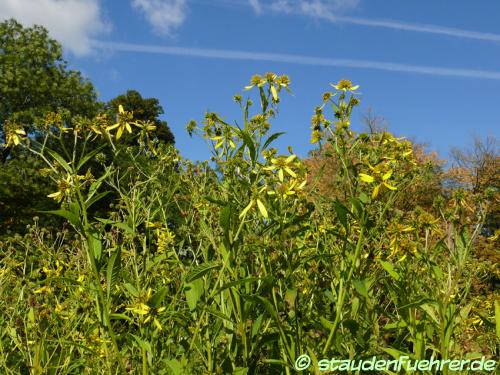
<point x="380" y="176"/>
<point x="147" y="125"/>
<point x="288" y="189"/>
<point x="139" y="308"/>
<point x="64" y="189"/>
<point x="59" y="310"/>
<point x="123" y="123"/>
<point x="260" y="206"/>
<point x="316" y="136"/>
<point x="345" y="85"/>
<point x="165" y="239"/>
<point x="256" y="80"/>
<point x="155" y="224"/>
<point x="43" y="289"/>
<point x="14" y="136"/>
<point x="282" y="164"/>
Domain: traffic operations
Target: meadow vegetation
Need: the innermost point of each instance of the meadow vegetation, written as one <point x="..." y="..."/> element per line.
<point x="240" y="264"/>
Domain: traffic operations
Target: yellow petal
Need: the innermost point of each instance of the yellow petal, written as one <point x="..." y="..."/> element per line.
<point x="387" y="175"/>
<point x="389" y="186"/>
<point x="245" y="210"/>
<point x="111" y="127"/>
<point x="290" y="158"/>
<point x="262" y="208"/>
<point x="157" y="323"/>
<point x="280" y="175"/>
<point x="290" y="172"/>
<point x="274" y="92"/>
<point x="366" y="178"/>
<point x="119" y="132"/>
<point x="375" y="191"/>
<point x="120" y="109"/>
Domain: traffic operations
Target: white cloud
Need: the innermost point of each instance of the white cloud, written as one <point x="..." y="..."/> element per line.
<point x="163" y="15"/>
<point x="319" y="7"/>
<point x="71" y="22"/>
<point x="332" y="11"/>
<point x="255" y="4"/>
<point x="307" y="7"/>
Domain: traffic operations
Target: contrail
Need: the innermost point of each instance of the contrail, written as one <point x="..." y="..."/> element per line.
<point x="374" y="22"/>
<point x="422" y="28"/>
<point x="296" y="59"/>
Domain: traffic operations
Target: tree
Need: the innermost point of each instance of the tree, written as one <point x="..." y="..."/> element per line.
<point x="144" y="109"/>
<point x="34" y="79"/>
<point x="477" y="169"/>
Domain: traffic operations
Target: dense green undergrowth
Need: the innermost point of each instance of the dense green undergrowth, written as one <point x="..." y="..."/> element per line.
<point x="241" y="265"/>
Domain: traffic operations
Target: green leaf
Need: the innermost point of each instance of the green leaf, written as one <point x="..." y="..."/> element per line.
<point x="325" y="323"/>
<point x="95" y="245"/>
<point x="193" y="292"/>
<point x="395" y="325"/>
<point x="95" y="199"/>
<point x="218" y="314"/>
<point x="117" y="316"/>
<point x="70" y="216"/>
<point x="213" y="200"/>
<point x="114" y="266"/>
<point x="497" y="317"/>
<point x="256" y="325"/>
<point x="199" y="271"/>
<point x="341" y="212"/>
<point x="158" y="297"/>
<point x="89" y="156"/>
<point x="124" y="227"/>
<point x="431" y="311"/>
<point x="390" y="270"/>
<point x="249" y="143"/>
<point x="394" y="353"/>
<point x="290" y="297"/>
<point x="225" y="218"/>
<point x="131" y="289"/>
<point x="239" y="282"/>
<point x="358" y="207"/>
<point x="361" y="287"/>
<point x="120" y="225"/>
<point x="271" y="139"/>
<point x="144" y="345"/>
<point x="175" y="366"/>
<point x="60" y="160"/>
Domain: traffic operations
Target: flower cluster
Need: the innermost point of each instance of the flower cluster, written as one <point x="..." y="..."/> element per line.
<point x="14" y="134"/>
<point x="143" y="307"/>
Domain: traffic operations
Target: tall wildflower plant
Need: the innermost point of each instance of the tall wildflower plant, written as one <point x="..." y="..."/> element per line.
<point x="78" y="142"/>
<point x="239" y="265"/>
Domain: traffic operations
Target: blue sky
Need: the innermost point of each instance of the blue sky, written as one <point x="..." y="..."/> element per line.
<point x="430" y="68"/>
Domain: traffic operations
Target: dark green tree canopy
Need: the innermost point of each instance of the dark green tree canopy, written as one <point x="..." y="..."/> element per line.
<point x="143" y="109"/>
<point x="35" y="79"/>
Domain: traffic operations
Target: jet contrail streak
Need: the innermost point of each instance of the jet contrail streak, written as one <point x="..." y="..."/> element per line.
<point x="296" y="59"/>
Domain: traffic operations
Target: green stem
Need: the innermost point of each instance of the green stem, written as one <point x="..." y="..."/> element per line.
<point x="342" y="291"/>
